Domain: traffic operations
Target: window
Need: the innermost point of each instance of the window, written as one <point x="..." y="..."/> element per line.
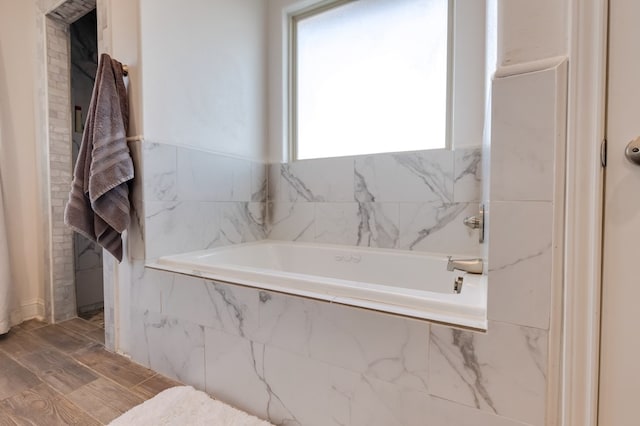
<point x="369" y="76"/>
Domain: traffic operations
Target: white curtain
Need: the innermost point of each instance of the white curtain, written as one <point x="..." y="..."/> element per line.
<point x="5" y="273"/>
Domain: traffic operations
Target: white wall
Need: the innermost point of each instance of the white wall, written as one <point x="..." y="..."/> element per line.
<point x="469" y="62"/>
<point x="17" y="146"/>
<point x="119" y="35"/>
<point x="204" y="67"/>
<point x="531" y="30"/>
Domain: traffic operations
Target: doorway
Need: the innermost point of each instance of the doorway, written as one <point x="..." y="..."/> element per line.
<point x="58" y="132"/>
<point x="88" y="270"/>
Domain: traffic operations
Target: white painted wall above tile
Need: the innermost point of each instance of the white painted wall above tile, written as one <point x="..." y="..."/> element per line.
<point x="203" y="75"/>
<point x="530" y="31"/>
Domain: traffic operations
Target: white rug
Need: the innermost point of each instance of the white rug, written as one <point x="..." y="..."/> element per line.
<point x="185" y="406"/>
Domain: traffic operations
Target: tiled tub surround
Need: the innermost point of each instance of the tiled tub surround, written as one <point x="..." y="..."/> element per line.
<point x="402" y="282"/>
<point x="195" y="200"/>
<point x="411" y="201"/>
<point x="298" y="361"/>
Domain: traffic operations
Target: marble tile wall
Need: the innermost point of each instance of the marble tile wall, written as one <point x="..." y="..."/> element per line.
<point x="302" y="362"/>
<point x="194" y="200"/>
<point x="411" y="201"/>
<point x="526" y="187"/>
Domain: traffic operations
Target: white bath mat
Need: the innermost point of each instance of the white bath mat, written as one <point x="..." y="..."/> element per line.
<point x="185" y="406"/>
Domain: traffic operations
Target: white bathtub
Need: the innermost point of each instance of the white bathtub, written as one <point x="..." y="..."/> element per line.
<point x="400" y="282"/>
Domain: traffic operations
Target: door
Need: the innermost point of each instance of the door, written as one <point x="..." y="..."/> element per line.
<point x="620" y="333"/>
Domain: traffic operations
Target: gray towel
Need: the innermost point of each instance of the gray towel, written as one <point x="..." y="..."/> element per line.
<point x="98" y="204"/>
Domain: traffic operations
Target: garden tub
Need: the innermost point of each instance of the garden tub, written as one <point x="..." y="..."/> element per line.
<point x="399" y="282"/>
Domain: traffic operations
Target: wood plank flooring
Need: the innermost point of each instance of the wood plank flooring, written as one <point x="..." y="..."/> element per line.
<point x="62" y="375"/>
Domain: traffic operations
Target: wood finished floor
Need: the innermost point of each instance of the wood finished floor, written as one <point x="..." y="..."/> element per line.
<point x="62" y="375"/>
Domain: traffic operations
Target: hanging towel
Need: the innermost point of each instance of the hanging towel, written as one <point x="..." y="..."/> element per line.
<point x="98" y="204"/>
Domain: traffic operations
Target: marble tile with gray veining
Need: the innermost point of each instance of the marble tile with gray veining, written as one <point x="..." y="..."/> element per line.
<point x="235" y="375"/>
<point x="273" y="182"/>
<point x="159" y="165"/>
<point x="387" y="348"/>
<point x="242" y="222"/>
<point x="136" y="231"/>
<point x="322" y="180"/>
<point x="358" y="224"/>
<point x="286" y="322"/>
<point x="467" y="175"/>
<point x="502" y="372"/>
<point x="443" y="412"/>
<point x="357" y="399"/>
<point x="145" y="291"/>
<point x="299" y="385"/>
<point x="204" y="176"/>
<point x="163" y="223"/>
<point x="525" y="135"/>
<point x="281" y="386"/>
<point x="337" y="223"/>
<point x="261" y="380"/>
<point x="291" y="221"/>
<point x="173" y="347"/>
<point x="521" y="274"/>
<point x="438" y="228"/>
<point x="259" y="182"/>
<point x="405" y="177"/>
<point x="178" y="227"/>
<point x="225" y="307"/>
<point x="378" y="225"/>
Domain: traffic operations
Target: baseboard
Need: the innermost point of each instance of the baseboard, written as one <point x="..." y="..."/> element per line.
<point x="32" y="309"/>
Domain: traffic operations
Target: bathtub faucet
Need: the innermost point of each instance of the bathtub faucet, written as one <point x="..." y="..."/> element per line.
<point x="472" y="266"/>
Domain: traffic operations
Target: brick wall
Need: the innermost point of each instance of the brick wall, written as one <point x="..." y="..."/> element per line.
<point x="59" y="108"/>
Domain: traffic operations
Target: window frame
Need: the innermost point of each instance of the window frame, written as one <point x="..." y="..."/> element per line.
<point x="292" y="73"/>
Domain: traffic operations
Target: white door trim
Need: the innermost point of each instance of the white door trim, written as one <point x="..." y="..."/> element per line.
<point x="584" y="205"/>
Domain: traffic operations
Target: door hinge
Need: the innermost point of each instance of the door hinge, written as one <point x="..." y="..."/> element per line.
<point x="603" y="153"/>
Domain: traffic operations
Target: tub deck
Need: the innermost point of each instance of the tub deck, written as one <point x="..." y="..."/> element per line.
<point x="399" y="282"/>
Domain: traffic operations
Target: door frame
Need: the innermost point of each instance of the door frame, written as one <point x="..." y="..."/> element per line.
<point x="584" y="211"/>
<point x="53" y="19"/>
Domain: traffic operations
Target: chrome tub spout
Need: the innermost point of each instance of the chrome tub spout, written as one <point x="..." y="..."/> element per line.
<point x="472" y="266"/>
